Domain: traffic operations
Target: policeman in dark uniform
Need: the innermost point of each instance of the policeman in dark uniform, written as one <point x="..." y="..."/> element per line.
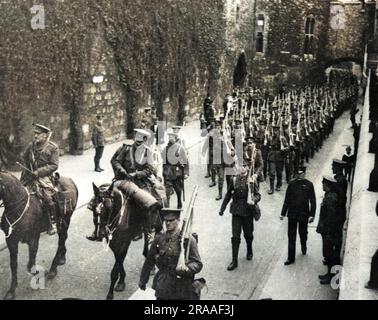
<point x="300" y="207"/>
<point x="175" y="167"/>
<point x="170" y="283"/>
<point x="41" y="157"/>
<point x="242" y="217"/>
<point x="328" y="227"/>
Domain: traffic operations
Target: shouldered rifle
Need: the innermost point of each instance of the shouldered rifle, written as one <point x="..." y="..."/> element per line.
<point x="185" y="232"/>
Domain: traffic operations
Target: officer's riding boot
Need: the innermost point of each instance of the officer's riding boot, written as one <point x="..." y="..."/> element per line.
<point x="179" y="202"/>
<point x="271" y="191"/>
<point x="220" y="191"/>
<point x="235" y="252"/>
<point x="97" y="166"/>
<point x="52" y="218"/>
<point x="248" y="240"/>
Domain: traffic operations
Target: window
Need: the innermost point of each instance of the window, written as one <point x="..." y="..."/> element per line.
<point x="260" y="26"/>
<point x="259" y="42"/>
<point x="309" y="36"/>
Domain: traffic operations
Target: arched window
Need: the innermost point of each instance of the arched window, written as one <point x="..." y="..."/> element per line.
<point x="309" y="42"/>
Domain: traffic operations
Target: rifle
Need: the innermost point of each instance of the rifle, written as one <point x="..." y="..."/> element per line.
<point x="185" y="232"/>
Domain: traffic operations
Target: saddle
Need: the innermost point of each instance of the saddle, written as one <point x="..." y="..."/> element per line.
<point x="65" y="196"/>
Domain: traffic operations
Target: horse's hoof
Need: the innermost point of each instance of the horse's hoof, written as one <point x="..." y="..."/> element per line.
<point x="109" y="296"/>
<point x="52" y="274"/>
<point x="10" y="296"/>
<point x="120" y="287"/>
<point x="62" y="261"/>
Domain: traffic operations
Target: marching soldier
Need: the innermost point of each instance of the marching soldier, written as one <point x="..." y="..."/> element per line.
<point x="300" y="207"/>
<point x="175" y="167"/>
<point x="328" y="227"/>
<point x="255" y="163"/>
<point x="168" y="283"/>
<point x="41" y="158"/>
<point x="220" y="154"/>
<point x="242" y="217"/>
<point x="277" y="144"/>
<point x="263" y="147"/>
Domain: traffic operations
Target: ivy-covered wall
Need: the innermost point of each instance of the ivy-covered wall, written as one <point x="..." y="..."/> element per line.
<point x="162" y="54"/>
<point x="159" y="53"/>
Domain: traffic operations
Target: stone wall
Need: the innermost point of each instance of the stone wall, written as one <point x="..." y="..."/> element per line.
<point x="347" y="32"/>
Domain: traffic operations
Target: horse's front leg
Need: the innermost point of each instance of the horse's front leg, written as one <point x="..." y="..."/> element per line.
<point x="33" y="249"/>
<point x="13" y="251"/>
<point x="113" y="278"/>
<point x="122" y="273"/>
<point x="60" y="256"/>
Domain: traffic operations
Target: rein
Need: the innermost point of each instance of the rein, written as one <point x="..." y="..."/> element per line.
<point x="11" y="225"/>
<point x="119" y="216"/>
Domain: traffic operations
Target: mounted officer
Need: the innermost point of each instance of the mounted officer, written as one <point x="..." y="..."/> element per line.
<point x="41" y="158"/>
<point x="135" y="162"/>
<point x="170" y="283"/>
<point x="175" y="167"/>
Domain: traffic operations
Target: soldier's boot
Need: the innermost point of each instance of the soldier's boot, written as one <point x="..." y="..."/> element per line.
<point x="208" y="175"/>
<point x="235" y="252"/>
<point x="52" y="219"/>
<point x="97" y="166"/>
<point x="248" y="240"/>
<point x="213" y="184"/>
<point x="220" y="192"/>
<point x="271" y="191"/>
<point x="326" y="279"/>
<point x="179" y="202"/>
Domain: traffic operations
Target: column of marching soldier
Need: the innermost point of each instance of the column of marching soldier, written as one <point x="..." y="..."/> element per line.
<point x="275" y="134"/>
<point x="279" y="134"/>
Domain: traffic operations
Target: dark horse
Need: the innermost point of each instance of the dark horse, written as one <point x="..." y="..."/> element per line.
<point x="24" y="219"/>
<point x="125" y="211"/>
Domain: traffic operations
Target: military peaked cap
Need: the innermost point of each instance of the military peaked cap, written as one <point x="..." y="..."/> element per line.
<point x="40" y="128"/>
<point x="170" y="213"/>
<point x="142" y="132"/>
<point x="330" y="180"/>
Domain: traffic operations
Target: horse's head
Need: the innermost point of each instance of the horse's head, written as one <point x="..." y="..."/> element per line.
<point x="107" y="204"/>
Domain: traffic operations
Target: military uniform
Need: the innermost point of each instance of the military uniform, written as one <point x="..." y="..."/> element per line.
<point x="132" y="162"/>
<point x="276" y="161"/>
<point x="242" y="217"/>
<point x="299" y="205"/>
<point x="168" y="283"/>
<point x="328" y="227"/>
<point x="175" y="167"/>
<point x="98" y="140"/>
<point x="43" y="161"/>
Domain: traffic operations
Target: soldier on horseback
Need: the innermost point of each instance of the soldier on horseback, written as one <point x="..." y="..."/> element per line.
<point x="41" y="158"/>
<point x="134" y="162"/>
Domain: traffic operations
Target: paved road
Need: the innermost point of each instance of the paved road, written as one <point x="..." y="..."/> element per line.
<point x="87" y="271"/>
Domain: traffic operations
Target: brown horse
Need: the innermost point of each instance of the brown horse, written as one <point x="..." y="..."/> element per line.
<point x="24" y="219"/>
<point x="125" y="211"/>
